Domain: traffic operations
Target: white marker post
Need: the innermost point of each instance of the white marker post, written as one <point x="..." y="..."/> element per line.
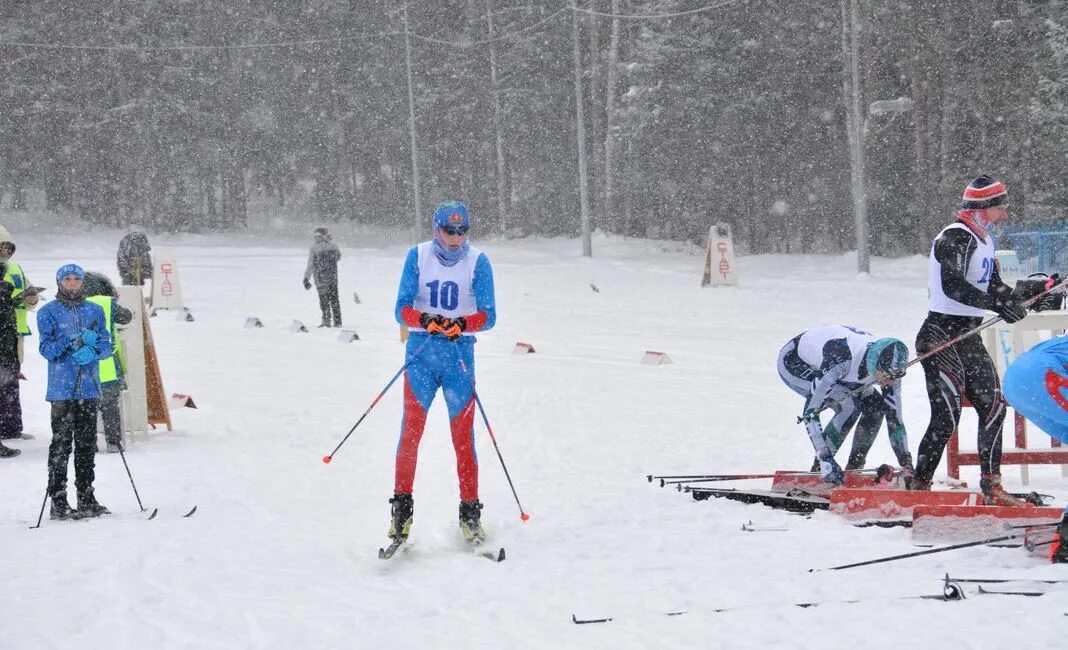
<point x="719" y="258"/>
<point x="166" y="289"/>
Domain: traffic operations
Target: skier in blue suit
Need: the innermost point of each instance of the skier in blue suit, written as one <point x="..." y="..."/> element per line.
<point x="445" y="296"/>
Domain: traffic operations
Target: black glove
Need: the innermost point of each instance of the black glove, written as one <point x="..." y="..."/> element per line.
<point x="1009" y="308"/>
<point x="432" y="323"/>
<point x="307" y="283"/>
<point x="454" y="327"/>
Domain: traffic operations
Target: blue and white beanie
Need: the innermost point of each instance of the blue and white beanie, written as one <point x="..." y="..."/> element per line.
<point x="70" y="268"/>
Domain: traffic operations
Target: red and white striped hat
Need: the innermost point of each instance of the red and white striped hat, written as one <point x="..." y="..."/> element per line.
<point x="984" y="192"/>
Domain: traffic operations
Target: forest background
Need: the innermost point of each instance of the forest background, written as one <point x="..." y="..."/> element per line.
<point x="187" y="115"/>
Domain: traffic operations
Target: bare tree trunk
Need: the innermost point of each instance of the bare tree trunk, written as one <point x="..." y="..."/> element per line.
<point x="498" y="136"/>
<point x="580" y="132"/>
<point x="611" y="77"/>
<point x="596" y="129"/>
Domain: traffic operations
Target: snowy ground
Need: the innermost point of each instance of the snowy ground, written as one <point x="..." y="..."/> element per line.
<point x="282" y="552"/>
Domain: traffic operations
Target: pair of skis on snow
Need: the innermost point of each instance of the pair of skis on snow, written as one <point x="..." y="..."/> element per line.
<point x="151" y="516"/>
<point x="475" y="545"/>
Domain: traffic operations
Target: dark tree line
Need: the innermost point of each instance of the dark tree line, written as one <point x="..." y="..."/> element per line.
<point x="177" y="113"/>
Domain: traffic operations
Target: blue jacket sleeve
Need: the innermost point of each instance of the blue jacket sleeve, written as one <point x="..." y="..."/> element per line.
<point x="52" y="345"/>
<point x="482" y="283"/>
<point x="409" y="284"/>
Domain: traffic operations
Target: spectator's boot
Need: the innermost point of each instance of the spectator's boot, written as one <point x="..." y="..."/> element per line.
<point x="8" y="452"/>
<point x="60" y="507"/>
<point x="88" y="505"/>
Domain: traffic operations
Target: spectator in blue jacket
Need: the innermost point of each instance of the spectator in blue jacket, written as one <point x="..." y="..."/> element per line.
<point x="74" y="339"/>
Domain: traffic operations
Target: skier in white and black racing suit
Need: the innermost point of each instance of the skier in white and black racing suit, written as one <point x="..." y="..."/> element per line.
<point x="824" y="365"/>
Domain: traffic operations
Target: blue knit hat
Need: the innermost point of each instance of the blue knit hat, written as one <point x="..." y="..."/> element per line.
<point x="886" y="355"/>
<point x="452" y="213"/>
<point x="69" y="269"/>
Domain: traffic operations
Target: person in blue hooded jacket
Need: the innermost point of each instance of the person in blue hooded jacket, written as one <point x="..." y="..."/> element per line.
<point x="74" y="339"/>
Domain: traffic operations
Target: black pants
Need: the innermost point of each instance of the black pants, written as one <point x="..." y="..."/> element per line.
<point x="963" y="369"/>
<point x="329" y="304"/>
<point x="73" y="421"/>
<point x="10" y="406"/>
<point x="111" y="411"/>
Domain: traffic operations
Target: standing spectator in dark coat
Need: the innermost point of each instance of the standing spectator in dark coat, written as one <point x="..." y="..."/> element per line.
<point x="322" y="264"/>
<point x="10" y="409"/>
<point x="135" y="264"/>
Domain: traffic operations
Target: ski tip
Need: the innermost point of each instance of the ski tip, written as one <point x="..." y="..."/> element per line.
<point x="500" y="555"/>
<point x="191" y="512"/>
<point x="382" y="554"/>
<point x="155" y="511"/>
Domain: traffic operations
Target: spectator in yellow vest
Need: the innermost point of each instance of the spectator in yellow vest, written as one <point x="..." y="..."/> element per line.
<point x="100" y="290"/>
<point x="24" y="297"/>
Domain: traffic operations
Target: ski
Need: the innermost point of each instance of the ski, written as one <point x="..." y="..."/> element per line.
<point x="996" y="592"/>
<point x="792" y="501"/>
<point x="155" y="511"/>
<point x="391" y="550"/>
<point x="1003" y="580"/>
<point x="750" y="528"/>
<point x="489" y="554"/>
<point x="475" y="544"/>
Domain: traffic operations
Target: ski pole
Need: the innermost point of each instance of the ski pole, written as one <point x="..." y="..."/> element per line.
<point x="329" y="457"/>
<point x="714" y="479"/>
<point x="900" y="370"/>
<point x="122" y="454"/>
<point x="981" y="542"/>
<point x="137" y="496"/>
<point x="711" y="477"/>
<point x="40" y="515"/>
<point x="463" y="366"/>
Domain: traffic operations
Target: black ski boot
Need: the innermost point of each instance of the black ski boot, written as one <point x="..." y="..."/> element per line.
<point x="60" y="507"/>
<point x="471" y="521"/>
<point x="88" y="505"/>
<point x="8" y="452"/>
<point x="115" y="445"/>
<point x="401" y="516"/>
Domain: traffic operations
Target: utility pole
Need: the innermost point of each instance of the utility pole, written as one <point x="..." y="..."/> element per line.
<point x="860" y="204"/>
<point x="580" y="130"/>
<point x="417" y="217"/>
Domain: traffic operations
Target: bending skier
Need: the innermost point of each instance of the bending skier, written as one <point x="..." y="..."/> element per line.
<point x="445" y="296"/>
<point x="824" y="365"/>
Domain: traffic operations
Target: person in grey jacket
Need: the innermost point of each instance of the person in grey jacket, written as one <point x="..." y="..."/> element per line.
<point x="322" y="265"/>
